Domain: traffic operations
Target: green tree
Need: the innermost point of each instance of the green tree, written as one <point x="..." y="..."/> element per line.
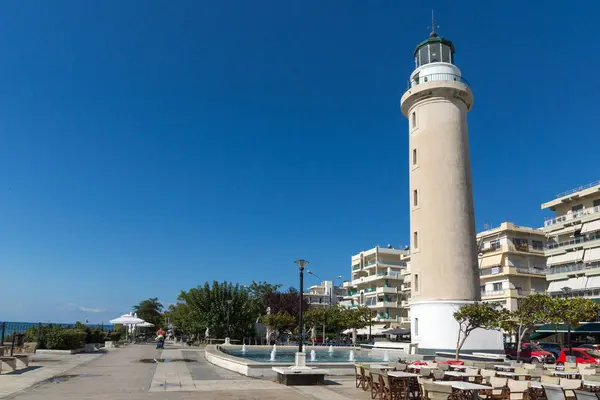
<point x="207" y="307"/>
<point x="572" y="312"/>
<point x="278" y="322"/>
<point x="150" y="310"/>
<point x="475" y="316"/>
<point x="532" y="310"/>
<point x="356" y="318"/>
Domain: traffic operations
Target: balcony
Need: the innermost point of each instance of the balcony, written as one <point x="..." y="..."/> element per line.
<point x="387" y="290"/>
<point x="379" y="275"/>
<point x="369" y="290"/>
<point x="405" y="286"/>
<point x="531" y="271"/>
<point x="404" y="303"/>
<point x="421" y="79"/>
<point x="571" y="217"/>
<point x="572" y="268"/>
<point x="505" y="293"/>
<point x="356" y="268"/>
<point x="385" y="263"/>
<point x="491" y="271"/>
<point x="578" y="241"/>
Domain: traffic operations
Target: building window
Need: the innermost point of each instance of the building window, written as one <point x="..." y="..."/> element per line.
<point x="596" y="203"/>
<point x="416" y="326"/>
<point x="576" y="208"/>
<point x="414" y="156"/>
<point x="497" y="287"/>
<point x="521" y="244"/>
<point x="414" y="119"/>
<point x="415" y="198"/>
<point x="482" y="289"/>
<point x="537" y="244"/>
<point x="416" y="282"/>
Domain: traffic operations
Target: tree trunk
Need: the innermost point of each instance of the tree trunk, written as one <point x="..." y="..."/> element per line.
<point x="569" y="339"/>
<point x="519" y="338"/>
<point x="458" y="344"/>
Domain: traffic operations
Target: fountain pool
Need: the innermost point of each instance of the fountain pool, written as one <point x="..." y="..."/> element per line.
<point x="322" y="355"/>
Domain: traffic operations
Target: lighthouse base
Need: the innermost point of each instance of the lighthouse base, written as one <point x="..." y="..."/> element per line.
<point x="434" y="329"/>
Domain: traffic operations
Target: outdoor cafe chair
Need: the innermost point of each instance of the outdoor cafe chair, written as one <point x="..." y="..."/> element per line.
<point x="376" y="383"/>
<point x="569" y="385"/>
<point x="401" y="366"/>
<point x="499" y="388"/>
<point x="554" y="392"/>
<point x="585" y="395"/>
<point x="438" y="374"/>
<point x="393" y="388"/>
<point x="550" y="380"/>
<point x="358" y="375"/>
<point x="517" y="389"/>
<point x="437" y="392"/>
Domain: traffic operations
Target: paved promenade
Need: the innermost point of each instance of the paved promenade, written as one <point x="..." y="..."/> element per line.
<point x="119" y="374"/>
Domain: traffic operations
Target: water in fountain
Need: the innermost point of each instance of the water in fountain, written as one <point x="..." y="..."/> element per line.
<point x="274" y="346"/>
<point x="313" y="355"/>
<point x="330" y="349"/>
<point x="351" y="356"/>
<point x="244" y="348"/>
<point x="273" y="352"/>
<point x="386" y="356"/>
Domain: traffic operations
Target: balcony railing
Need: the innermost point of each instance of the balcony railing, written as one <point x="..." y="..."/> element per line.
<point x="572" y="216"/>
<point x="531" y="270"/>
<point x="571" y="268"/>
<point x="574" y="241"/>
<point x="420" y="79"/>
<point x="396" y="263"/>
<point x="356" y="268"/>
<point x="502" y="292"/>
<point x="369" y="290"/>
<point x="578" y="189"/>
<point x="491" y="271"/>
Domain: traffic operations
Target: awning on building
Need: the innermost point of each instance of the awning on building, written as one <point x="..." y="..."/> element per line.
<point x="578" y="283"/>
<point x="591" y="226"/>
<point x="593" y="282"/>
<point x="555" y="286"/>
<point x="592" y="255"/>
<point x="566" y="231"/>
<point x="566" y="258"/>
<point x="491" y="261"/>
<point x="586" y="327"/>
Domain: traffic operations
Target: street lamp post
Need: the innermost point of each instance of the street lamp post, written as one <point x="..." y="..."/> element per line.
<point x="228" y="326"/>
<point x="301" y="264"/>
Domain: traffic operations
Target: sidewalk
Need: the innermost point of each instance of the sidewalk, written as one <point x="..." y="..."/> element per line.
<point x="119" y="374"/>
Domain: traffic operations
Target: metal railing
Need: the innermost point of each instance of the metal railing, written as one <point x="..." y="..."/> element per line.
<point x="437" y="77"/>
<point x="531" y="270"/>
<point x="577" y="240"/>
<point x="572" y="216"/>
<point x="571" y="268"/>
<point x="491" y="271"/>
<point x="577" y="189"/>
<point x="395" y="263"/>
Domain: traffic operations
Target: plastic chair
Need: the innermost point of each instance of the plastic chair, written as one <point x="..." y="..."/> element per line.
<point x="569" y="385"/>
<point x="500" y="388"/>
<point x="438" y="374"/>
<point x="444" y="367"/>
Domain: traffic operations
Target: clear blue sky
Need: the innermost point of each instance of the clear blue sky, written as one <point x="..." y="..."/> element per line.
<point x="149" y="146"/>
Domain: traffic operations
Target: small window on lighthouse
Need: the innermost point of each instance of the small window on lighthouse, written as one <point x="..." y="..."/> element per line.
<point x="414" y="157"/>
<point x="416" y="240"/>
<point x="414" y="119"/>
<point x="415" y="198"/>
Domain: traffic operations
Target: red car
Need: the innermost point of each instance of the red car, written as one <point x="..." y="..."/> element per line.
<point x="582" y="356"/>
<point x="530" y="352"/>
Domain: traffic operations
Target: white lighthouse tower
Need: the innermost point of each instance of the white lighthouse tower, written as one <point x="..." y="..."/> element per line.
<point x="444" y="267"/>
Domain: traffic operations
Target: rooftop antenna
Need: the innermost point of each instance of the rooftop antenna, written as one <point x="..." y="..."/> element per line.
<point x="433" y="25"/>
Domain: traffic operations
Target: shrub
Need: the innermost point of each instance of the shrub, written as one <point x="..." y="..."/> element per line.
<point x="65" y="339"/>
<point x="115" y="336"/>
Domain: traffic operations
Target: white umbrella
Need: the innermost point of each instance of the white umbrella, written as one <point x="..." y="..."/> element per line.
<point x="145" y="325"/>
<point x="127" y="319"/>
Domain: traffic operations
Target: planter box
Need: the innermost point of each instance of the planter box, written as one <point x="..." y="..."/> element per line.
<point x="109" y="344"/>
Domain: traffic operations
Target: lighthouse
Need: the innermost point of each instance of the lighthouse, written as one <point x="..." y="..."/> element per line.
<point x="444" y="267"/>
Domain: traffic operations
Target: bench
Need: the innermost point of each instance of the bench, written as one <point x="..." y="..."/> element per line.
<point x="22" y="360"/>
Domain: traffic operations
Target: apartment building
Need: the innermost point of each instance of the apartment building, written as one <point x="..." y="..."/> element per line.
<point x="511" y="263"/>
<point x="324" y="294"/>
<point x="377" y="278"/>
<point x="573" y="243"/>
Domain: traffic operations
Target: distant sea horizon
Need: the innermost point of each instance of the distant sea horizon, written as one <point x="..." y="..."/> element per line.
<point x="9" y="327"/>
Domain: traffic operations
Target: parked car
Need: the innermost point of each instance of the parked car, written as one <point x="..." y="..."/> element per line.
<point x="589" y="346"/>
<point x="530" y="352"/>
<point x="553" y="348"/>
<point x="582" y="356"/>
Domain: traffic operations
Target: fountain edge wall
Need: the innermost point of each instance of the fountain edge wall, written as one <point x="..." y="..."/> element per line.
<point x="215" y="356"/>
